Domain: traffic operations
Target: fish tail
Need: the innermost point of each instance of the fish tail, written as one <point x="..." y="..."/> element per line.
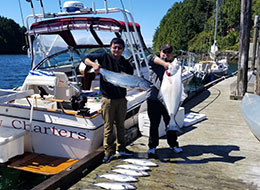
<point x="173" y="125"/>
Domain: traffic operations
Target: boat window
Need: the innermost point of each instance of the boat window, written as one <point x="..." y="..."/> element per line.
<point x="60" y="60"/>
<point x="47" y="45"/>
<point x="83" y="37"/>
<point x="63" y="58"/>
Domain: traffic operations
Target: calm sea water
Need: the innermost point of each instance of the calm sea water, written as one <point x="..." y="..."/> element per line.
<point x="13" y="70"/>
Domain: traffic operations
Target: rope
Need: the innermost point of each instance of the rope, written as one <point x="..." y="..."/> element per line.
<point x="219" y="93"/>
<point x="30" y="122"/>
<point x="131" y="7"/>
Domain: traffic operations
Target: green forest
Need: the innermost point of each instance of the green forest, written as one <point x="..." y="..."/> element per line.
<point x="188" y="25"/>
<point x="12" y="37"/>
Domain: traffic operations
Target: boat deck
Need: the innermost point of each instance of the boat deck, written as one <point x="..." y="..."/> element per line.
<point x="219" y="153"/>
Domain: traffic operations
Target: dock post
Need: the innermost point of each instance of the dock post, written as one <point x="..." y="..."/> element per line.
<point x="245" y="20"/>
<point x="257" y="91"/>
<point x="255" y="41"/>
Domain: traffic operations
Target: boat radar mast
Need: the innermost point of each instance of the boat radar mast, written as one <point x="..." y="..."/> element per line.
<point x="214" y="47"/>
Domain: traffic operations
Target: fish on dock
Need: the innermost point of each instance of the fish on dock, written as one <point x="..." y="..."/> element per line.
<point x="133" y="167"/>
<point x="118" y="177"/>
<point x="114" y="185"/>
<point x="141" y="162"/>
<point x="135" y="173"/>
<point x="125" y="80"/>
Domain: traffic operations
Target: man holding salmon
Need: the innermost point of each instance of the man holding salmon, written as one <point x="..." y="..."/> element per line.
<point x="114" y="103"/>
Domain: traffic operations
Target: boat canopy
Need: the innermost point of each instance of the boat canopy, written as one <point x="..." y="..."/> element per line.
<point x="76" y="23"/>
<point x="51" y="37"/>
<point x="64" y="26"/>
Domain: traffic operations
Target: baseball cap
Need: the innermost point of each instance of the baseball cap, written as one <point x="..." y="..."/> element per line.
<point x="166" y="48"/>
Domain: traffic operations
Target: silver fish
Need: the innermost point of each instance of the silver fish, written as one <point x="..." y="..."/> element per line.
<point x="124" y="80"/>
<point x="115" y="185"/>
<point x="136" y="173"/>
<point x="141" y="162"/>
<point x="133" y="167"/>
<point x="119" y="177"/>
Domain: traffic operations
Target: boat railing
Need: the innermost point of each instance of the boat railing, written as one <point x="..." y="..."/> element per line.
<point x="88" y="11"/>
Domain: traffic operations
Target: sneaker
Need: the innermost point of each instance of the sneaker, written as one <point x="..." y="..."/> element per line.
<point x="124" y="152"/>
<point x="176" y="149"/>
<point x="107" y="158"/>
<point x="151" y="151"/>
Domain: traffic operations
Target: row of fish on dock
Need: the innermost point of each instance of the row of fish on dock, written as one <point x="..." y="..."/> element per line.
<point x="124" y="174"/>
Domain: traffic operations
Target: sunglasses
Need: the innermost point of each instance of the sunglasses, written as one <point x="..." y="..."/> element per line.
<point x="117" y="47"/>
<point x="167" y="51"/>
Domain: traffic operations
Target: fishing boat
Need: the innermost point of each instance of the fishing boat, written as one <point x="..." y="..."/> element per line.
<point x="250" y="109"/>
<point x="210" y="69"/>
<point x="55" y="114"/>
<point x="52" y="114"/>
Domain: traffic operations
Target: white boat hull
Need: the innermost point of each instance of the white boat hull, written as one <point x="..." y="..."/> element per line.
<point x="250" y="108"/>
<point x="59" y="134"/>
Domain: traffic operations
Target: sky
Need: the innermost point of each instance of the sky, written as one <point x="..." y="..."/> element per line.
<point x="148" y="13"/>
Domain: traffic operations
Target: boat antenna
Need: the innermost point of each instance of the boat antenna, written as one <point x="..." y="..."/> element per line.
<point x="30" y="1"/>
<point x="216" y="22"/>
<point x="60" y="6"/>
<point x="122" y="4"/>
<point x="94" y="7"/>
<point x="105" y="2"/>
<point x="42" y="8"/>
<point x="131" y="7"/>
<point x="21" y="11"/>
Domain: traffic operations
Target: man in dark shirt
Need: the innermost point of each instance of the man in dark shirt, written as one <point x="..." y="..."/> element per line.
<point x="114" y="103"/>
<point x="155" y="109"/>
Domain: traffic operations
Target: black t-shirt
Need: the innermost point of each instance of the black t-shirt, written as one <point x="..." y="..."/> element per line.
<point x="156" y="73"/>
<point x="107" y="61"/>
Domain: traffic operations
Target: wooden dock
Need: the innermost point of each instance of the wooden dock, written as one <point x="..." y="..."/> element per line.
<point x="219" y="152"/>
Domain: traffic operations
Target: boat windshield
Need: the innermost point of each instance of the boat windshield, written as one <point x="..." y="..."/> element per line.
<point x="63" y="58"/>
<point x="51" y="50"/>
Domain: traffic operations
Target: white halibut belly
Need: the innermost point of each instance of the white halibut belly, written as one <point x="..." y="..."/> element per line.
<point x="170" y="95"/>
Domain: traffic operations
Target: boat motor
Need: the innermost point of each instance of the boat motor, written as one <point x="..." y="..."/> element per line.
<point x="78" y="104"/>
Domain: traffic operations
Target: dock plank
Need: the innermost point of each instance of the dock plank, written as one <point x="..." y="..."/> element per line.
<point x="219" y="152"/>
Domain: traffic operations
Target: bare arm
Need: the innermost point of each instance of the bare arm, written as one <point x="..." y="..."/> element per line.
<point x="94" y="65"/>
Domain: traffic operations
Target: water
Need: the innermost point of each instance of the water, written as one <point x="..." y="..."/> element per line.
<point x="197" y="83"/>
<point x="12" y="179"/>
<point x="13" y="70"/>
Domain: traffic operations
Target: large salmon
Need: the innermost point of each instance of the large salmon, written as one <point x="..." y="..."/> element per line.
<point x="124" y="80"/>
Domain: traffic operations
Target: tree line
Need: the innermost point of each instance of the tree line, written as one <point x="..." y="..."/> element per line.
<point x="189" y="25"/>
<point x="12" y="37"/>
